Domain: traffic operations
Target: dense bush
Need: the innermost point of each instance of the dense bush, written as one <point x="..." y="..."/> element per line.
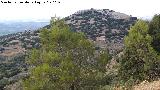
<point x="139" y="59"/>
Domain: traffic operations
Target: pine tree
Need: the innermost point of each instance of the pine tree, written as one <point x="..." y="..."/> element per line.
<point x="66" y="61"/>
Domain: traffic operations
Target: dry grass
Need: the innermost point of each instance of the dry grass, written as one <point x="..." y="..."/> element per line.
<point x="155" y="85"/>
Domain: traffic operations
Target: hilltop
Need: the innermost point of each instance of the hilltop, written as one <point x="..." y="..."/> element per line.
<point x="105" y="27"/>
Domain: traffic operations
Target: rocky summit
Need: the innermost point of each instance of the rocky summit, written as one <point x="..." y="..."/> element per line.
<point x="105" y="27"/>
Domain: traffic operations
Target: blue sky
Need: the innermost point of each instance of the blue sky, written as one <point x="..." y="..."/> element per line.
<point x="24" y="12"/>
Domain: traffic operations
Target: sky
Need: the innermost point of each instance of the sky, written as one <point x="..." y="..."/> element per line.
<point x="143" y="9"/>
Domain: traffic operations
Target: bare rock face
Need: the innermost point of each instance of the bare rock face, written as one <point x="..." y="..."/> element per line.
<point x="105" y="27"/>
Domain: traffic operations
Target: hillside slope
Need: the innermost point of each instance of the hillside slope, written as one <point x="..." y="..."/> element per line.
<point x="105" y="27"/>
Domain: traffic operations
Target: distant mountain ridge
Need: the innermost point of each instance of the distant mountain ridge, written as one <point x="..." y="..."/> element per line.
<point x="13" y="27"/>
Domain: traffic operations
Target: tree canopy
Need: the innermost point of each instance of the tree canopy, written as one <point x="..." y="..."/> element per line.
<point x="66" y="61"/>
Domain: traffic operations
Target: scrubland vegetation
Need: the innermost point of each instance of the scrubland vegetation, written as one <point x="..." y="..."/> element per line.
<point x="69" y="61"/>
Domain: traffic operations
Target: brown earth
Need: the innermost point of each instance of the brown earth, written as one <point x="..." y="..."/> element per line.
<point x="155" y="85"/>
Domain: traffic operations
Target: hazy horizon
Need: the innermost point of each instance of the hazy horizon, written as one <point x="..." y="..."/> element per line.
<point x="25" y="20"/>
